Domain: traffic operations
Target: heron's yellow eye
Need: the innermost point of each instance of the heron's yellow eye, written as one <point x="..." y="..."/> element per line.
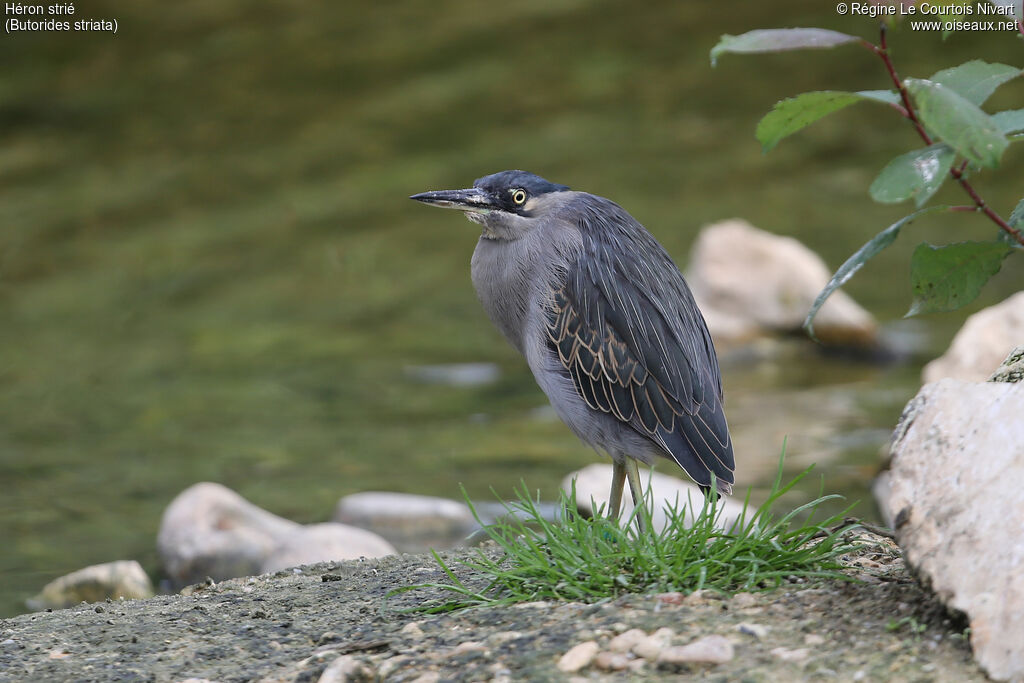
<point x="518" y="196"/>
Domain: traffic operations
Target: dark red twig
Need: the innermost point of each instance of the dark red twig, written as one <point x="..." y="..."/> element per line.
<point x="910" y="114"/>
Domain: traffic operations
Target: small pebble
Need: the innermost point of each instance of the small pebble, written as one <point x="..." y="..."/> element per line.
<point x="343" y="669"/>
<point x="429" y="677"/>
<point x="742" y="601"/>
<point x="701" y="597"/>
<point x="625" y="641"/>
<point x="670" y="598"/>
<point x="651" y="646"/>
<point x="813" y="639"/>
<point x="611" y="661"/>
<point x="706" y="650"/>
<point x="795" y="655"/>
<point x="579" y="657"/>
<point x="502" y="637"/>
<point x="757" y="630"/>
<point x="390" y="665"/>
<point x="412" y="629"/>
<point x="468" y="646"/>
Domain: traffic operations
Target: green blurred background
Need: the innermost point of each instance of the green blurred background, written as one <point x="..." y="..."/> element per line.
<point x="209" y="269"/>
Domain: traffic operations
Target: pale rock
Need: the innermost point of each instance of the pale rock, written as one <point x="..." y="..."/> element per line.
<point x="748" y="282"/>
<point x="208" y="530"/>
<point x="114" y="580"/>
<point x="346" y="669"/>
<point x="625" y="641"/>
<point x="391" y="665"/>
<point x="413" y="630"/>
<point x="651" y="646"/>
<point x="456" y="374"/>
<point x="958" y="508"/>
<point x="1012" y="369"/>
<point x="578" y="657"/>
<point x="428" y="677"/>
<point x="881" y="490"/>
<point x="981" y="344"/>
<point x="593" y="484"/>
<point x="326" y="542"/>
<point x="706" y="650"/>
<point x="795" y="655"/>
<point x="813" y="639"/>
<point x="743" y="601"/>
<point x="611" y="661"/>
<point x="468" y="646"/>
<point x="502" y="637"/>
<point x="413" y="523"/>
<point x="671" y="598"/>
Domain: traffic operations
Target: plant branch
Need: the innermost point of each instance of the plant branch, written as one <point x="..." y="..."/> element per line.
<point x="882" y="50"/>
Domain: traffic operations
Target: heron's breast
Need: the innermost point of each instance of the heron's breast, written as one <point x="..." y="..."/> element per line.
<point x="503" y="278"/>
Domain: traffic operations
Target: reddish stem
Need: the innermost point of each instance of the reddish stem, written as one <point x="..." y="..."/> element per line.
<point x="910" y="114"/>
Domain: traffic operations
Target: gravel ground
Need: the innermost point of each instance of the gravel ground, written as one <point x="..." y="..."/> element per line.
<point x="333" y="622"/>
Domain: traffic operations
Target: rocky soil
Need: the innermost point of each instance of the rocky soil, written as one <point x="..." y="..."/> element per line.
<point x="335" y="622"/>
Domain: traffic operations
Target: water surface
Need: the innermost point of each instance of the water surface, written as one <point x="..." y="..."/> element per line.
<point x="209" y="269"/>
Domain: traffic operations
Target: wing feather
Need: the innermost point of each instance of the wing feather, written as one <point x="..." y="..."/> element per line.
<point x="626" y="328"/>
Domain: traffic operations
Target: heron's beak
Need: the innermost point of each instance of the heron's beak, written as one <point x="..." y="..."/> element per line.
<point x="473" y="199"/>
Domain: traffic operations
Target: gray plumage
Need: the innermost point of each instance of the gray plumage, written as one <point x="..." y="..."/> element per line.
<point x="604" y="319"/>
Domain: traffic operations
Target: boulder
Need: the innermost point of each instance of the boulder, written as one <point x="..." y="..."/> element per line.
<point x="211" y="531"/>
<point x="954" y="495"/>
<point x="325" y="543"/>
<point x="983" y="341"/>
<point x="411" y="522"/>
<point x="749" y="282"/>
<point x="593" y="484"/>
<point x="113" y="580"/>
<point x="1012" y="369"/>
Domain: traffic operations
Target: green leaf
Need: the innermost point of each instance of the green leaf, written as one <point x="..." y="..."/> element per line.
<point x="779" y="40"/>
<point x="796" y="113"/>
<point x="975" y="80"/>
<point x="916" y="174"/>
<point x="1018" y="214"/>
<point x="886" y="96"/>
<point x="1010" y="121"/>
<point x="946" y="278"/>
<point x="1008" y="239"/>
<point x="969" y="131"/>
<point x="862" y="256"/>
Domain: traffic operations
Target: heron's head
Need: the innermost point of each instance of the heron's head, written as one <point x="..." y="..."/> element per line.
<point x="506" y="204"/>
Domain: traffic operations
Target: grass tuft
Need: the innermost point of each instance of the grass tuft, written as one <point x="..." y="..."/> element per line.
<point x="591" y="559"/>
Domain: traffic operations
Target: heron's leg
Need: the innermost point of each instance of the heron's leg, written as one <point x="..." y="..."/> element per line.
<point x="615" y="497"/>
<point x="637" y="489"/>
